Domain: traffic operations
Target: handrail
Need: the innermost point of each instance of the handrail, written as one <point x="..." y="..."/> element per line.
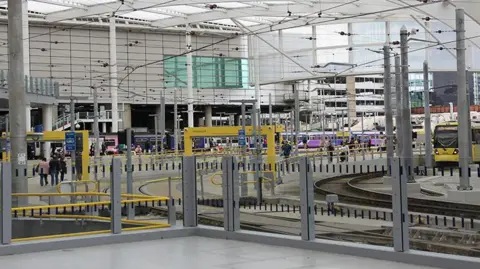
<point x="53" y="194"/>
<point x="89" y="204"/>
<point x="264" y="179"/>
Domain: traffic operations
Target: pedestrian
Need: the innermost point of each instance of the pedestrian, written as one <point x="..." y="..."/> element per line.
<point x="63" y="168"/>
<point x="43" y="169"/>
<point x="54" y="168"/>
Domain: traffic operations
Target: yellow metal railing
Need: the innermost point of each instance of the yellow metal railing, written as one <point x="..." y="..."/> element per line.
<point x="45" y="212"/>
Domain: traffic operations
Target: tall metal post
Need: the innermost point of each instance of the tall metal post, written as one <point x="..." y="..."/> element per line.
<point x="189" y="193"/>
<point x="296" y="116"/>
<point x="256" y="41"/>
<point x="387" y="80"/>
<point x="130" y="207"/>
<point x="463" y="106"/>
<point x="398" y="99"/>
<point x="6" y="203"/>
<point x="427" y="122"/>
<point x="17" y="99"/>
<point x="162" y="123"/>
<point x="270" y="109"/>
<point x="243" y="177"/>
<point x="115" y="197"/>
<point x="189" y="77"/>
<point x="155" y="118"/>
<point x="257" y="156"/>
<point x="72" y="128"/>
<point x="175" y="119"/>
<point x="113" y="72"/>
<point x="96" y="132"/>
<point x="406" y="114"/>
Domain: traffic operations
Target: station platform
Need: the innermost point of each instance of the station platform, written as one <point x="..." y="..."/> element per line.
<point x="434" y="187"/>
<point x="193" y="252"/>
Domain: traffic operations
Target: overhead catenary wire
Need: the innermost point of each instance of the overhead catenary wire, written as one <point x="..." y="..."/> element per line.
<point x="201" y="48"/>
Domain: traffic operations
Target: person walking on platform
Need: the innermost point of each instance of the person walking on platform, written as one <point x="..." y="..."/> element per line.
<point x="42" y="169"/>
<point x="54" y="168"/>
<point x="63" y="168"/>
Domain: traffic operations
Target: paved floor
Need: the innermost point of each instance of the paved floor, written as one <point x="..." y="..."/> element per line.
<point x="193" y="252"/>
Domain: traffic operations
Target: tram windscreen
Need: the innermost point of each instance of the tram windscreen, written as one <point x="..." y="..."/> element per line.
<point x="446" y="137"/>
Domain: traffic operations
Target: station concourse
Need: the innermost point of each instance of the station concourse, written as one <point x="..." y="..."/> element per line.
<point x="239" y="134"/>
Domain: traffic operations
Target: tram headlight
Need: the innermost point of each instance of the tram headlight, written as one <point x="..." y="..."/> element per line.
<point x="436" y="152"/>
<point x="455" y="152"/>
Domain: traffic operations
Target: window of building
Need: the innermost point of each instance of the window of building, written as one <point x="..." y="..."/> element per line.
<point x="208" y="72"/>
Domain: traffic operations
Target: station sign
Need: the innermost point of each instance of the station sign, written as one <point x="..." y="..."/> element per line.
<point x="70" y="141"/>
<point x="241" y="138"/>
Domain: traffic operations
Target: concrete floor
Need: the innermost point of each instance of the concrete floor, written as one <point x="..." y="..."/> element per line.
<point x="192" y="252"/>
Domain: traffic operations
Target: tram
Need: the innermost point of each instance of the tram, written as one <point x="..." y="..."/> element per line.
<point x="445" y="143"/>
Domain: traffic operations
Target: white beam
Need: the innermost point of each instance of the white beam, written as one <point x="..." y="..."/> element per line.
<point x="166" y="11"/>
<point x="366" y="12"/>
<point x="274" y="11"/>
<point x="90" y="11"/>
<point x="63" y="3"/>
<point x="256" y="20"/>
<point x="258" y="4"/>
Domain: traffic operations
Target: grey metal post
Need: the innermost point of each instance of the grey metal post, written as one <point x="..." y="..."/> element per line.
<point x="130" y="208"/>
<point x="172" y="212"/>
<point x="155" y="118"/>
<point x="398" y="99"/>
<point x="230" y="194"/>
<point x="400" y="208"/>
<point x="297" y="117"/>
<point x="96" y="132"/>
<point x="73" y="153"/>
<point x="463" y="106"/>
<point x="270" y="109"/>
<point x="162" y="122"/>
<point x="428" y="124"/>
<point x="363" y="144"/>
<point x="6" y="203"/>
<point x="387" y="80"/>
<point x="257" y="156"/>
<point x="243" y="177"/>
<point x="189" y="191"/>
<point x="175" y="119"/>
<point x="115" y="196"/>
<point x="407" y="155"/>
<point x="306" y="200"/>
<point x="17" y="98"/>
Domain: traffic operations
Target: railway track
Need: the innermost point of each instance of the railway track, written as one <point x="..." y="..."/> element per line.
<point x="344" y="187"/>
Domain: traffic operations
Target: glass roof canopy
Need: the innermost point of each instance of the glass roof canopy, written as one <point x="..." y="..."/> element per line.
<point x="255" y="15"/>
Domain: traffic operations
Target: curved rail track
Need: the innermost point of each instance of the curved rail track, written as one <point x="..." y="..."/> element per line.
<point x="344" y="187"/>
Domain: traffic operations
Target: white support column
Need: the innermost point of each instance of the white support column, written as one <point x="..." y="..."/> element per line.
<point x="189" y="77"/>
<point x="208" y="116"/>
<point x="26" y="59"/>
<point x="350" y="81"/>
<point x="314" y="62"/>
<point x="280" y="46"/>
<point x="47" y="121"/>
<point x="104" y="127"/>
<point x="256" y="53"/>
<point x="17" y="100"/>
<point x="113" y="74"/>
<point x="426" y="98"/>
